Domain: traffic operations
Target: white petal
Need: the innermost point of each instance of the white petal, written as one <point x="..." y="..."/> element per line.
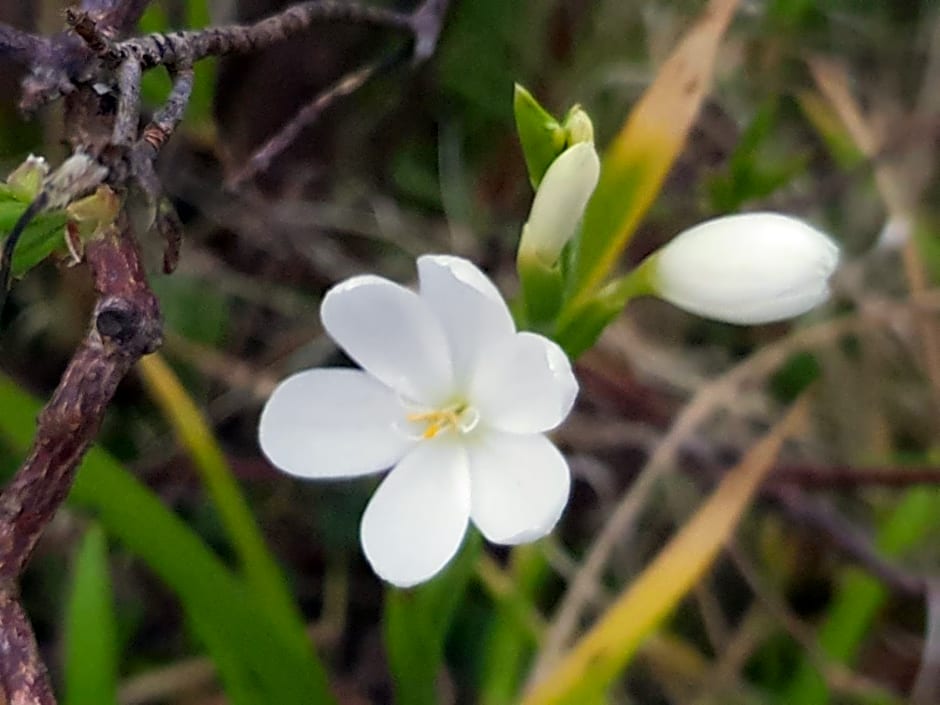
<point x="468" y="305"/>
<point x="523" y="384"/>
<point x="518" y="485"/>
<point x="332" y="423"/>
<point x="560" y="201"/>
<point x="750" y="268"/>
<point x="393" y="334"/>
<point x="416" y="520"/>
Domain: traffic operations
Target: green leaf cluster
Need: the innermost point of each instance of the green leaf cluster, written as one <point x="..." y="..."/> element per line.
<point x="43" y="236"/>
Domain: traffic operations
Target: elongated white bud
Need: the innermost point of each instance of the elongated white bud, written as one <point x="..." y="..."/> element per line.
<point x="560" y="201"/>
<point x="746" y="269"/>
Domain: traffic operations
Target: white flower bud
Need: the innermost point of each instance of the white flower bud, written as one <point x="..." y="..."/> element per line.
<point x="578" y="126"/>
<point x="746" y="269"/>
<point x="560" y="201"/>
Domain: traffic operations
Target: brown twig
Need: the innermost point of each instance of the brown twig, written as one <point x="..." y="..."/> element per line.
<point x="23" y="679"/>
<point x="846" y="537"/>
<point x="88" y="30"/>
<point x="118" y="16"/>
<point x="168" y="118"/>
<point x="839" y="677"/>
<point x="308" y="115"/>
<point x="785" y="490"/>
<point x="818" y="478"/>
<point x="125" y="325"/>
<point x="425" y="24"/>
<point x="189" y="46"/>
<point x="19" y="46"/>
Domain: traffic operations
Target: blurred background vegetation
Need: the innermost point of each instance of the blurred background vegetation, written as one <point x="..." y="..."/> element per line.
<point x="826" y="110"/>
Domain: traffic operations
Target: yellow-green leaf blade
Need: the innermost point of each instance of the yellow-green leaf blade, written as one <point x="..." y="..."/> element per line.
<point x="91" y="651"/>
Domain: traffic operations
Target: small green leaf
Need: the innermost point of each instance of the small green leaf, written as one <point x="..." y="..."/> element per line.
<point x="11" y="208"/>
<point x="8" y="193"/>
<point x="541" y="135"/>
<point x="42" y="237"/>
<point x="91" y="652"/>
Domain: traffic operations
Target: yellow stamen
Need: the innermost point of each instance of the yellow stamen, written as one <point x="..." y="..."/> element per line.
<point x="437" y="420"/>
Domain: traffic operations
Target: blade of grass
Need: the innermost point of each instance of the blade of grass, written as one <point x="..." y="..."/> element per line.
<point x="637" y="161"/>
<point x="91" y="650"/>
<point x="516" y="627"/>
<point x="416" y="623"/>
<point x="258" y="662"/>
<point x="256" y="561"/>
<point x="591" y="666"/>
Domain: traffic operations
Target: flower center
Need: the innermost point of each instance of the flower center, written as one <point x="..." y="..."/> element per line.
<point x="459" y="418"/>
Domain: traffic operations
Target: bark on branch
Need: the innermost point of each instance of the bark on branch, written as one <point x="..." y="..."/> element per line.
<point x="124" y="326"/>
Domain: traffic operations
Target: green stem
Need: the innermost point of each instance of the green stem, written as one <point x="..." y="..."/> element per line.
<point x="542" y="287"/>
<point x="516" y="626"/>
<point x="579" y="327"/>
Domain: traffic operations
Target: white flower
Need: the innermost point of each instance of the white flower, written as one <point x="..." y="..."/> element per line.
<point x="450" y="396"/>
<point x="560" y="202"/>
<point x="746" y="269"/>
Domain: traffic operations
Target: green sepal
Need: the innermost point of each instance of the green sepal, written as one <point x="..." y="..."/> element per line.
<point x="541" y="135"/>
<point x="542" y="288"/>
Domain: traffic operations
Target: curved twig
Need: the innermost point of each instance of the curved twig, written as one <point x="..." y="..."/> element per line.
<point x="21" y="47"/>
